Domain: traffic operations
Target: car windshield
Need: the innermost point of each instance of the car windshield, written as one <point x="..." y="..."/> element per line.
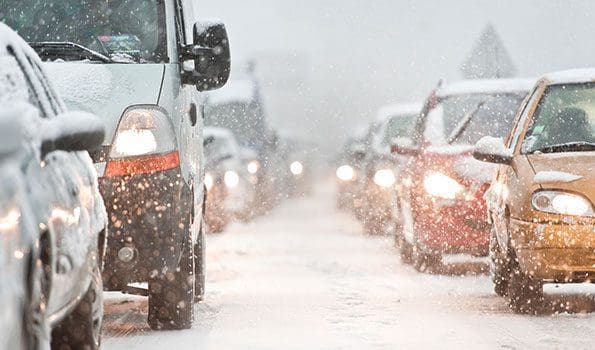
<point x="494" y="113"/>
<point x="492" y="118"/>
<point x="565" y="117"/>
<point x="398" y="126"/>
<point x="124" y="29"/>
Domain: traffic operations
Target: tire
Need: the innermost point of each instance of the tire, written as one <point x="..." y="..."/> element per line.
<point x="425" y="262"/>
<point x="82" y="328"/>
<point x="500" y="268"/>
<point x="406" y="252"/>
<point x="525" y="293"/>
<point x="199" y="266"/>
<point x="171" y="296"/>
<point x="34" y="318"/>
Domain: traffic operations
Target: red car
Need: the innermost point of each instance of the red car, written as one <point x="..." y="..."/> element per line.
<point x="440" y="194"/>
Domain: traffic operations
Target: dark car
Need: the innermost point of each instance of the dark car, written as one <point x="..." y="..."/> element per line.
<point x="52" y="217"/>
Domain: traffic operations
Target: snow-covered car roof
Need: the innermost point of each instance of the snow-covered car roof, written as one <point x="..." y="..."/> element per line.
<point x="585" y="75"/>
<point x="217" y="132"/>
<point x="241" y="90"/>
<point x="485" y="86"/>
<point x="398" y="109"/>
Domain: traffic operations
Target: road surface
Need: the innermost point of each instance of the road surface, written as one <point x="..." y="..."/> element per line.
<point x="305" y="277"/>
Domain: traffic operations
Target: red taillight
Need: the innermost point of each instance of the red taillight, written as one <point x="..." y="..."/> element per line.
<point x="142" y="165"/>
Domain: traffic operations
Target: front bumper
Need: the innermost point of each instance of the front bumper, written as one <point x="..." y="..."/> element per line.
<point x="452" y="227"/>
<point x="555" y="252"/>
<point x="148" y="214"/>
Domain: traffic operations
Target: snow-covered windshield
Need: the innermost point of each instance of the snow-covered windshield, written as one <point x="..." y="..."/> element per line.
<point x="398" y="126"/>
<point x="493" y="118"/>
<point x="132" y="29"/>
<point x="565" y="117"/>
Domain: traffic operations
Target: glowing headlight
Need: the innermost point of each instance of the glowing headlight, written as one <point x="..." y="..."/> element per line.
<point x="209" y="181"/>
<point x="143" y="131"/>
<point x="9" y="223"/>
<point x="231" y="178"/>
<point x="442" y="186"/>
<point x="384" y="178"/>
<point x="296" y="168"/>
<point x="253" y="167"/>
<point x="565" y="203"/>
<point x="346" y="173"/>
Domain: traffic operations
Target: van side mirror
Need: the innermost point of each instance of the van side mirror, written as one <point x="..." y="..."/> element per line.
<point x="492" y="150"/>
<point x="211" y="54"/>
<point x="71" y="132"/>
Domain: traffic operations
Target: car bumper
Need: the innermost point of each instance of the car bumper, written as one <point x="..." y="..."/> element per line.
<point x="146" y="214"/>
<point x="451" y="228"/>
<point x="555" y="252"/>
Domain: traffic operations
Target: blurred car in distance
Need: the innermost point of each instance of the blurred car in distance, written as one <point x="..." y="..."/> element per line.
<point x="541" y="202"/>
<point x="230" y="193"/>
<point x="440" y="196"/>
<point x="52" y="217"/>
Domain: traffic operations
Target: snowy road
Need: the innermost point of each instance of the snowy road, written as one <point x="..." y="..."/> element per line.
<point x="306" y="278"/>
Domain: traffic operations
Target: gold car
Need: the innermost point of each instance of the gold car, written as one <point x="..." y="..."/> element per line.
<point x="540" y="203"/>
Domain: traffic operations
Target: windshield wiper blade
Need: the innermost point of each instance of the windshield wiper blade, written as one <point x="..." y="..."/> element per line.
<point x="463" y="124"/>
<point x="68" y="51"/>
<point x="567" y="147"/>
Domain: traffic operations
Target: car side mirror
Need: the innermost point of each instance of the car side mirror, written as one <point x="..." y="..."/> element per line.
<point x="71" y="132"/>
<point x="211" y="54"/>
<point x="492" y="150"/>
<point x="404" y="146"/>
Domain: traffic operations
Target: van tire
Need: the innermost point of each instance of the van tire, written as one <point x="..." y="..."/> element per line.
<point x="171" y="296"/>
<point x="82" y="328"/>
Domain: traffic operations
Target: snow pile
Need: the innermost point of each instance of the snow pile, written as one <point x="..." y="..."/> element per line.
<point x="548" y="177"/>
<point x="572" y="76"/>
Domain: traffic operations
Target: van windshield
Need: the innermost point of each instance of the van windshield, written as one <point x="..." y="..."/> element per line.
<point x="124" y="30"/>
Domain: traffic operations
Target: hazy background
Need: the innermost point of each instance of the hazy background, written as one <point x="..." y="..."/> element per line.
<point x="327" y="65"/>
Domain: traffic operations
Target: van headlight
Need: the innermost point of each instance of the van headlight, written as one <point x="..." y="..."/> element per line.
<point x="231" y="179"/>
<point x="143" y="131"/>
<point x="560" y="202"/>
<point x="442" y="186"/>
<point x="346" y="173"/>
<point x="385" y="178"/>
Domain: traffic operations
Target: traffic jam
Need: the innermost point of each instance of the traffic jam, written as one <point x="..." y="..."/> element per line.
<point x="169" y="179"/>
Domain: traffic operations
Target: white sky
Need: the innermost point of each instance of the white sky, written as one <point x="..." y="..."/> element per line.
<point x="327" y="65"/>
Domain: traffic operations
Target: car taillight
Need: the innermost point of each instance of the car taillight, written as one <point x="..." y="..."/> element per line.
<point x="145" y="143"/>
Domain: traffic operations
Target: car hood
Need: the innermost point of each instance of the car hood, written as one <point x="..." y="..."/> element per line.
<point x="106" y="89"/>
<point x="567" y="171"/>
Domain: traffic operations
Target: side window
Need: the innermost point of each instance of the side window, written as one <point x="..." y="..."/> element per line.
<point x="519" y="123"/>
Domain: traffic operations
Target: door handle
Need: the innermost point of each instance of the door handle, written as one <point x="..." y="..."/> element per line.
<point x="193" y="114"/>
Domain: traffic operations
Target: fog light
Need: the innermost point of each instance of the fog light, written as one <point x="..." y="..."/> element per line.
<point x="126" y="254"/>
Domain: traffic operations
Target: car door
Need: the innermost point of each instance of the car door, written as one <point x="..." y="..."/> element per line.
<point x="58" y="183"/>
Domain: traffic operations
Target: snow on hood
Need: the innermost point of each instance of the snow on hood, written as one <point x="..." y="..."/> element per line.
<point x="485" y="86"/>
<point x="549" y="177"/>
<point x="399" y="109"/>
<point x="244" y="90"/>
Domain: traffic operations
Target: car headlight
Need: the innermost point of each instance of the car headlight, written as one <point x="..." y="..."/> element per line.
<point x="209" y="181"/>
<point x="442" y="186"/>
<point x="143" y="131"/>
<point x="9" y="222"/>
<point x="346" y="173"/>
<point x="560" y="202"/>
<point x="385" y="178"/>
<point x="253" y="167"/>
<point x="231" y="179"/>
<point x="296" y="168"/>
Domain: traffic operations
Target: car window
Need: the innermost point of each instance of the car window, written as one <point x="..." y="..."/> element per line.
<point x="565" y="115"/>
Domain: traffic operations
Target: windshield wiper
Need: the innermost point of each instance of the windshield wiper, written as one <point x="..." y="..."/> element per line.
<point x="463" y="124"/>
<point x="68" y="51"/>
<point x="567" y="147"/>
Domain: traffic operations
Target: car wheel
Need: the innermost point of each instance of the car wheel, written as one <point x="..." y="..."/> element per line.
<point x="171" y="296"/>
<point x="499" y="267"/>
<point x="406" y="252"/>
<point x="424" y="261"/>
<point x="199" y="266"/>
<point x="525" y="293"/>
<point x="82" y="328"/>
